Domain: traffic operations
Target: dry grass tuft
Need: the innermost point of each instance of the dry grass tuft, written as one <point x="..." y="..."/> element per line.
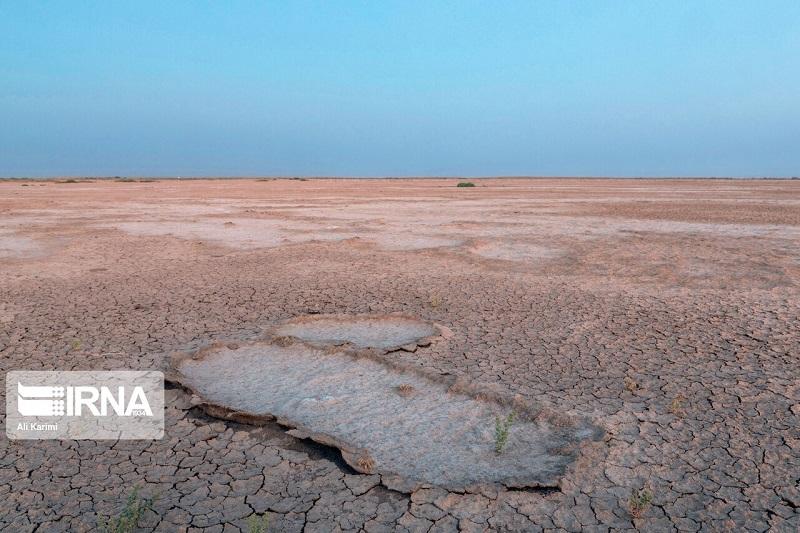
<point x="366" y="463"/>
<point x="404" y="389"/>
<point x="676" y="406"/>
<point x="630" y="384"/>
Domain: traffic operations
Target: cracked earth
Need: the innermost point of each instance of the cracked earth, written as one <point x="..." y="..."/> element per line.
<point x="664" y="311"/>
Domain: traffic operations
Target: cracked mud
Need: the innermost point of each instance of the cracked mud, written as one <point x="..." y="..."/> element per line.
<point x="666" y="312"/>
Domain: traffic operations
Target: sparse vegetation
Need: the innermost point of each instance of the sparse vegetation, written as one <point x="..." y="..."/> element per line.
<point x="68" y="181"/>
<point x="258" y="523"/>
<point x="128" y="519"/>
<point x="465" y="184"/>
<point x="676" y="407"/>
<point x="119" y="179"/>
<point x="435" y="300"/>
<point x="75" y="344"/>
<point x="405" y="389"/>
<point x="639" y="501"/>
<point x="630" y="384"/>
<point x="502" y="427"/>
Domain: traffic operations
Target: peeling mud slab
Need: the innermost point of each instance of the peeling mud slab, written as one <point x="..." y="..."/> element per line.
<point x="385" y="419"/>
<point x="362" y="331"/>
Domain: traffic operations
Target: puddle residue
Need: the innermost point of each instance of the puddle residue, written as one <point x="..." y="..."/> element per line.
<point x="14" y="246"/>
<point x="385" y="419"/>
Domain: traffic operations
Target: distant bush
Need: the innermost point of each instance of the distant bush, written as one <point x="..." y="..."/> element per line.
<point x="465" y="184"/>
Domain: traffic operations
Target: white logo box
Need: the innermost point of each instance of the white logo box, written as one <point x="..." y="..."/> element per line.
<point x="124" y="405"/>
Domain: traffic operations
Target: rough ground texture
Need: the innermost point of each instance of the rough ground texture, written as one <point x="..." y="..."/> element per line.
<point x="384" y="418"/>
<point x="667" y="311"/>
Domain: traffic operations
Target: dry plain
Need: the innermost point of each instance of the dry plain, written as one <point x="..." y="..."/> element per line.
<point x="654" y="322"/>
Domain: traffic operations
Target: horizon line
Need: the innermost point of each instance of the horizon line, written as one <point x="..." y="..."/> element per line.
<point x="389" y="177"/>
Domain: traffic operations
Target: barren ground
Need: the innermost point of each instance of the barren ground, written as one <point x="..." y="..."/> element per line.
<point x="666" y="311"/>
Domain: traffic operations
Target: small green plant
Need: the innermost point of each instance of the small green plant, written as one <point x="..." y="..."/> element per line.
<point x="639" y="501"/>
<point x="258" y="523"/>
<point x="75" y="344"/>
<point x="502" y="427"/>
<point x="128" y="519"/>
<point x="465" y="184"/>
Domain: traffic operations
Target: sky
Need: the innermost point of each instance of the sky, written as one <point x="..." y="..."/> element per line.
<point x="335" y="88"/>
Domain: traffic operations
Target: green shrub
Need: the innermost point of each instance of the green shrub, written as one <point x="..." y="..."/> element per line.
<point x="639" y="501"/>
<point x="128" y="519"/>
<point x="465" y="184"/>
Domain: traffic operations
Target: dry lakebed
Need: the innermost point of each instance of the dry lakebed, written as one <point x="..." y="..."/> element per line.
<point x="409" y="355"/>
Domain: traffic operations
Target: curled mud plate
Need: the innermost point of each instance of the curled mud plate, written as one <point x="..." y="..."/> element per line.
<point x="382" y="332"/>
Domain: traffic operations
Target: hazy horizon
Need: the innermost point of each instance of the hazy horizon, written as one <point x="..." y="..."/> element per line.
<point x="400" y="89"/>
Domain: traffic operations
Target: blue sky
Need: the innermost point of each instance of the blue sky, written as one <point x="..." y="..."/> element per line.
<point x="400" y="88"/>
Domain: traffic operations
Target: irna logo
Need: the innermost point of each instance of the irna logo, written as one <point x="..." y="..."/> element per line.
<point x="114" y="405"/>
<point x="37" y="400"/>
